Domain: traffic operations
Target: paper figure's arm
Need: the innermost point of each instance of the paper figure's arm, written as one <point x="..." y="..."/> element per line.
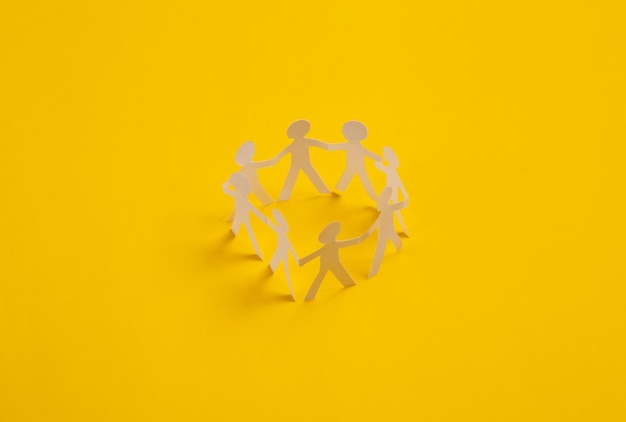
<point x="227" y="191"/>
<point x="318" y="144"/>
<point x="259" y="214"/>
<point x="281" y="154"/>
<point x="270" y="224"/>
<point x="400" y="205"/>
<point x="265" y="163"/>
<point x="309" y="258"/>
<point x="370" y="230"/>
<point x="350" y="242"/>
<point x="373" y="156"/>
<point x="380" y="166"/>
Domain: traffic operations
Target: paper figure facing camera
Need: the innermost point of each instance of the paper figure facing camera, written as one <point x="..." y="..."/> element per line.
<point x="329" y="258"/>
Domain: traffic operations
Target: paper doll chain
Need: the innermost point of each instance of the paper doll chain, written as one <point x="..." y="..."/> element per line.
<point x="245" y="181"/>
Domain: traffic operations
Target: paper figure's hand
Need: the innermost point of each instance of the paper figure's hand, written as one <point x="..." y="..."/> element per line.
<point x="280" y="155"/>
<point x="400" y="205"/>
<point x="266" y="163"/>
<point x="333" y="147"/>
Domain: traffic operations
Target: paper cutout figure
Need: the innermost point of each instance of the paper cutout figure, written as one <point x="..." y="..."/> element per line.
<point x="393" y="180"/>
<point x="245" y="181"/>
<point x="243" y="157"/>
<point x="386" y="230"/>
<point x="248" y="169"/>
<point x="355" y="132"/>
<point x="300" y="158"/>
<point x="243" y="207"/>
<point x="283" y="247"/>
<point x="329" y="258"/>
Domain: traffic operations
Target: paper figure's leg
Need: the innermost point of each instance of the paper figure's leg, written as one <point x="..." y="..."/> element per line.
<point x="315" y="179"/>
<point x="344" y="277"/>
<point x="316" y="285"/>
<point x="397" y="242"/>
<point x="261" y="193"/>
<point x="344" y="181"/>
<point x="378" y="257"/>
<point x="290" y="181"/>
<point x="231" y="218"/>
<point x="253" y="239"/>
<point x="286" y="265"/>
<point x="401" y="221"/>
<point x="236" y="225"/>
<point x="275" y="262"/>
<point x="368" y="185"/>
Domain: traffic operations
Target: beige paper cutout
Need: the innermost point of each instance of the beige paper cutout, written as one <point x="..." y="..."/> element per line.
<point x="393" y="180"/>
<point x="249" y="170"/>
<point x="329" y="258"/>
<point x="243" y="207"/>
<point x="300" y="158"/>
<point x="386" y="230"/>
<point x="283" y="247"/>
<point x="355" y="132"/>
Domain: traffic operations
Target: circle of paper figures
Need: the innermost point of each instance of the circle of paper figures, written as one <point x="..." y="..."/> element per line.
<point x="245" y="182"/>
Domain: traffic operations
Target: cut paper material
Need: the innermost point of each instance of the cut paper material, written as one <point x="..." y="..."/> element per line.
<point x="300" y="158"/>
<point x="283" y="247"/>
<point x="355" y="132"/>
<point x="386" y="230"/>
<point x="244" y="156"/>
<point x="329" y="258"/>
<point x="393" y="180"/>
<point x="243" y="207"/>
<point x="245" y="181"/>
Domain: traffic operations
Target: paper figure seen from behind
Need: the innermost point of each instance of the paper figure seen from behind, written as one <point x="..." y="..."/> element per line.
<point x="393" y="181"/>
<point x="300" y="158"/>
<point x="329" y="258"/>
<point x="355" y="132"/>
<point x="386" y="230"/>
<point x="243" y="207"/>
<point x="283" y="247"/>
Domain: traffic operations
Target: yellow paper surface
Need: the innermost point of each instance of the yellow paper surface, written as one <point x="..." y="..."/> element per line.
<point x="123" y="297"/>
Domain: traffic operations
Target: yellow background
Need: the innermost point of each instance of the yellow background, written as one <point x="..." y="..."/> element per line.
<point x="122" y="296"/>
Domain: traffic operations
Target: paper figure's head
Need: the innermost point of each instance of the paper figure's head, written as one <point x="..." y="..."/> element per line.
<point x="280" y="220"/>
<point x="384" y="198"/>
<point x="245" y="153"/>
<point x="298" y="129"/>
<point x="330" y="232"/>
<point x="391" y="157"/>
<point x="240" y="183"/>
<point x="354" y="131"/>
